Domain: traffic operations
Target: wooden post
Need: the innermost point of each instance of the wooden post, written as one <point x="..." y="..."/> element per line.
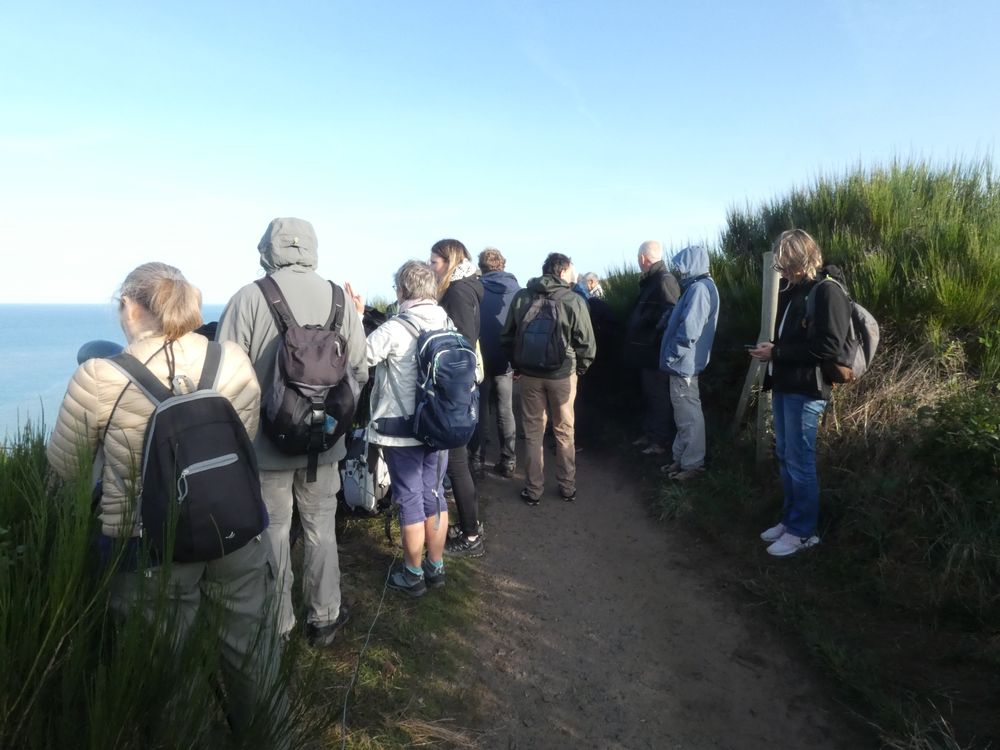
<point x="755" y="374"/>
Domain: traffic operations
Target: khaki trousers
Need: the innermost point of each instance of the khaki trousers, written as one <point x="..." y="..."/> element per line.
<point x="543" y="399"/>
<point x="317" y="504"/>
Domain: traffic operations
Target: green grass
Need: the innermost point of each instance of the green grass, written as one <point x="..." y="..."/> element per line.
<point x="900" y="602"/>
<point x="74" y="675"/>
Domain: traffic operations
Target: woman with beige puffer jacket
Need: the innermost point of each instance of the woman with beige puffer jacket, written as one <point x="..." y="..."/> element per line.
<point x="159" y="311"/>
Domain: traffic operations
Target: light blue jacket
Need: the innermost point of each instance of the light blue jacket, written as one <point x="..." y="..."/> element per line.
<point x="687" y="343"/>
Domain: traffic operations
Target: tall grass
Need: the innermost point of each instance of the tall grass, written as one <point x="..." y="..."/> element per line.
<point x="72" y="673"/>
<point x="920" y="245"/>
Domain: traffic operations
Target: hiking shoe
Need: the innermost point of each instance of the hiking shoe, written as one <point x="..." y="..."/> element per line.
<point x="455" y="531"/>
<point x="789" y="544"/>
<point x="401" y="579"/>
<point x="465" y="547"/>
<point x="773" y="534"/>
<point x="654" y="449"/>
<point x="433" y="577"/>
<point x="686" y="475"/>
<point x="641" y="442"/>
<point x="528" y="499"/>
<point x="321" y="636"/>
<point x="568" y="498"/>
<point x="671" y="469"/>
<point x="504" y="469"/>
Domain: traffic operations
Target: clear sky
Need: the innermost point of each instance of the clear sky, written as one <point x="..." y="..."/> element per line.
<point x="174" y="131"/>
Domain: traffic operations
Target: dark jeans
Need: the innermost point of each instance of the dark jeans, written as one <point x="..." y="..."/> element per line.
<point x="658" y="420"/>
<point x="496" y="406"/>
<point x="466" y="502"/>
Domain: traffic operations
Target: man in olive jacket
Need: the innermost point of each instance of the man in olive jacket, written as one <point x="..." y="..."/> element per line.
<point x="288" y="255"/>
<point x="549" y="384"/>
<point x="658" y="293"/>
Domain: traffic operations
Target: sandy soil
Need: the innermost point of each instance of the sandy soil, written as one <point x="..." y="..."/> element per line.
<point x="604" y="629"/>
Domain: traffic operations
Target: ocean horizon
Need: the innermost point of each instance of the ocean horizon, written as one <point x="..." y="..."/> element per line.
<point x="38" y="347"/>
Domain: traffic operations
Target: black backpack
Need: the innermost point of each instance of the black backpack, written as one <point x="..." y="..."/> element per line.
<point x="199" y="496"/>
<point x="311" y="401"/>
<point x="538" y="342"/>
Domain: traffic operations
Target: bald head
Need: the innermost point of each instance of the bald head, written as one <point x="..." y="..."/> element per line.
<point x="651" y="249"/>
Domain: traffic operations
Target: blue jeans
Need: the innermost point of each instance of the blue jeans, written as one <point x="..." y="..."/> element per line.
<point x="796" y="418"/>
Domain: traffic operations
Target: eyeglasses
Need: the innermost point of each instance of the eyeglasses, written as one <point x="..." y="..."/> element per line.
<point x="778" y="267"/>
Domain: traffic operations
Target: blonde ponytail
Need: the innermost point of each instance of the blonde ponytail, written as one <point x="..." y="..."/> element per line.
<point x="173" y="301"/>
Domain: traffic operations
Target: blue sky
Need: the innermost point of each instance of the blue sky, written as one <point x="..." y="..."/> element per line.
<point x="176" y="131"/>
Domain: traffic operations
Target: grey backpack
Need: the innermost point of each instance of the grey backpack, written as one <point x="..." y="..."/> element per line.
<point x="862" y="341"/>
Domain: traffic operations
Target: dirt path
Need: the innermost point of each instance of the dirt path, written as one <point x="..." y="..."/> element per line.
<point x="603" y="629"/>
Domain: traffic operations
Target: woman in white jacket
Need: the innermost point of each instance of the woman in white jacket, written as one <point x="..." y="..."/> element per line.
<point x="159" y="311"/>
<point x="417" y="471"/>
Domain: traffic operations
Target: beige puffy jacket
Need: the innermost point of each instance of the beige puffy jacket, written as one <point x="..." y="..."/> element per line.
<point x="91" y="394"/>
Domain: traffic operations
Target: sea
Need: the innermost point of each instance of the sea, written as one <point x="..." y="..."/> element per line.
<point x="38" y="350"/>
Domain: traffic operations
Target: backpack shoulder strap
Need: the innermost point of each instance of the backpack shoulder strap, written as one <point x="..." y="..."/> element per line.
<point x="336" y="320"/>
<point x="409" y="325"/>
<point x="139" y="374"/>
<point x="276" y="303"/>
<point x="210" y="369"/>
<point x="811" y="300"/>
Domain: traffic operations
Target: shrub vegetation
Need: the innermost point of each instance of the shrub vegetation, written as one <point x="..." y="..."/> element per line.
<point x="902" y="600"/>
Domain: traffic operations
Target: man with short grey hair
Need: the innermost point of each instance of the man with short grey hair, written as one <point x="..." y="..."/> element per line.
<point x="658" y="293"/>
<point x="288" y="255"/>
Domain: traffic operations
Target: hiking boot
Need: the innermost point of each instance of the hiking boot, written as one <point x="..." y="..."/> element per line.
<point x="401" y="579"/>
<point x="434" y="577"/>
<point x="641" y="442"/>
<point x="789" y="544"/>
<point x="455" y="531"/>
<point x="654" y="449"/>
<point x="686" y="475"/>
<point x="528" y="499"/>
<point x="773" y="534"/>
<point x="321" y="636"/>
<point x="568" y="498"/>
<point x="671" y="469"/>
<point x="465" y="547"/>
<point x="504" y="469"/>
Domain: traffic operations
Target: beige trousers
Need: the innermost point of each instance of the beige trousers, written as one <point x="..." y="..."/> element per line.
<point x="543" y="399"/>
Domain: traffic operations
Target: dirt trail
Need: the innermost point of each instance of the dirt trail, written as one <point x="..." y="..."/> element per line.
<point x="603" y="629"/>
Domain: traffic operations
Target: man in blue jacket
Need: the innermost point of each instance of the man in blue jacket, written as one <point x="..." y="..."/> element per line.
<point x="495" y="392"/>
<point x="684" y="352"/>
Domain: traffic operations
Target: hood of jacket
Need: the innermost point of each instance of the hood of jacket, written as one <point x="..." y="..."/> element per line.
<point x="288" y="242"/>
<point x="690" y="263"/>
<point x="546" y="284"/>
<point x="499" y="282"/>
<point x="832" y="272"/>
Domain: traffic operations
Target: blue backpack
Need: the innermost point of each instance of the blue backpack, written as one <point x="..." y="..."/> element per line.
<point x="447" y="399"/>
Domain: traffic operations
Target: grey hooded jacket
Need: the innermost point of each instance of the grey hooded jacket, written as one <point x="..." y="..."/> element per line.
<point x="288" y="255"/>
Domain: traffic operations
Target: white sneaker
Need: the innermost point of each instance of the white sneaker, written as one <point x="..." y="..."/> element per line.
<point x="773" y="534"/>
<point x="654" y="450"/>
<point x="641" y="442"/>
<point x="789" y="544"/>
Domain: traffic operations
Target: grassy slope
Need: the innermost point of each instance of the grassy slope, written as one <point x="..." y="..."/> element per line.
<point x="901" y="602"/>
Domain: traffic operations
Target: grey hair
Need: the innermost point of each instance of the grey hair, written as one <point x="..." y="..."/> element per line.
<point x="416" y="280"/>
<point x="591" y="276"/>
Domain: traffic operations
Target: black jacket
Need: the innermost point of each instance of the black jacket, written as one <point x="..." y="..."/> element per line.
<point x="461" y="301"/>
<point x="802" y="345"/>
<point x="658" y="293"/>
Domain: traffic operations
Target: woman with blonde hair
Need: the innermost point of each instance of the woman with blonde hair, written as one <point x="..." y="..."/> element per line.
<point x="808" y="332"/>
<point x="460" y="293"/>
<point x="105" y="410"/>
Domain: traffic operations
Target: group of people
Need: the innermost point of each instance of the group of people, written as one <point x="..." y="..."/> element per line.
<point x="540" y="336"/>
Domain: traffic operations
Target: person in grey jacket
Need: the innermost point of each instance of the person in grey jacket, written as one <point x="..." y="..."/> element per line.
<point x="417" y="470"/>
<point x="684" y="353"/>
<point x="288" y="253"/>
